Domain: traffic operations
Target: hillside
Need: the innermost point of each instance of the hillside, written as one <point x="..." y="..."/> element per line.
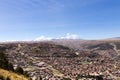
<point x="7" y="72"/>
<point x="8" y="75"/>
<point x="56" y="60"/>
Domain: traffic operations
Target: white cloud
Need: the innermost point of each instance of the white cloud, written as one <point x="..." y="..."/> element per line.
<point x="70" y="36"/>
<point x="42" y="38"/>
<point x="13" y="40"/>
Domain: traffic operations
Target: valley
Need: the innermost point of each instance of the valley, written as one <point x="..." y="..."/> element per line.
<point x="96" y="60"/>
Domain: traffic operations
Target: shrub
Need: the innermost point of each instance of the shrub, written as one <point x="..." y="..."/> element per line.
<point x="19" y="70"/>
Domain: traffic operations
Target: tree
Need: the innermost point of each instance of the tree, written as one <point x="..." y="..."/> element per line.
<point x="100" y="77"/>
<point x="19" y="70"/>
<point x="26" y="74"/>
<point x="10" y="67"/>
<point x="4" y="63"/>
<point x="3" y="60"/>
<point x="66" y="79"/>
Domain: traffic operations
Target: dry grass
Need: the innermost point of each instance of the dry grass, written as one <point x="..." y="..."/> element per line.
<point x="56" y="72"/>
<point x="11" y="75"/>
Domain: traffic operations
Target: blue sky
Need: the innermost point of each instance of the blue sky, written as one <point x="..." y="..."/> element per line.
<point x="46" y="19"/>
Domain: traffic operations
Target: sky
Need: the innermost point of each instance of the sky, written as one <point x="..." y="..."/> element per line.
<point x="23" y="20"/>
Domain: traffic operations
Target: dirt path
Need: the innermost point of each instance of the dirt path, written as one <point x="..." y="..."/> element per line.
<point x="115" y="48"/>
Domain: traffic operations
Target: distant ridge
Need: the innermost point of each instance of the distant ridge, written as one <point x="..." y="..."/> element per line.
<point x="114" y="38"/>
<point x="117" y="37"/>
<point x="65" y="42"/>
